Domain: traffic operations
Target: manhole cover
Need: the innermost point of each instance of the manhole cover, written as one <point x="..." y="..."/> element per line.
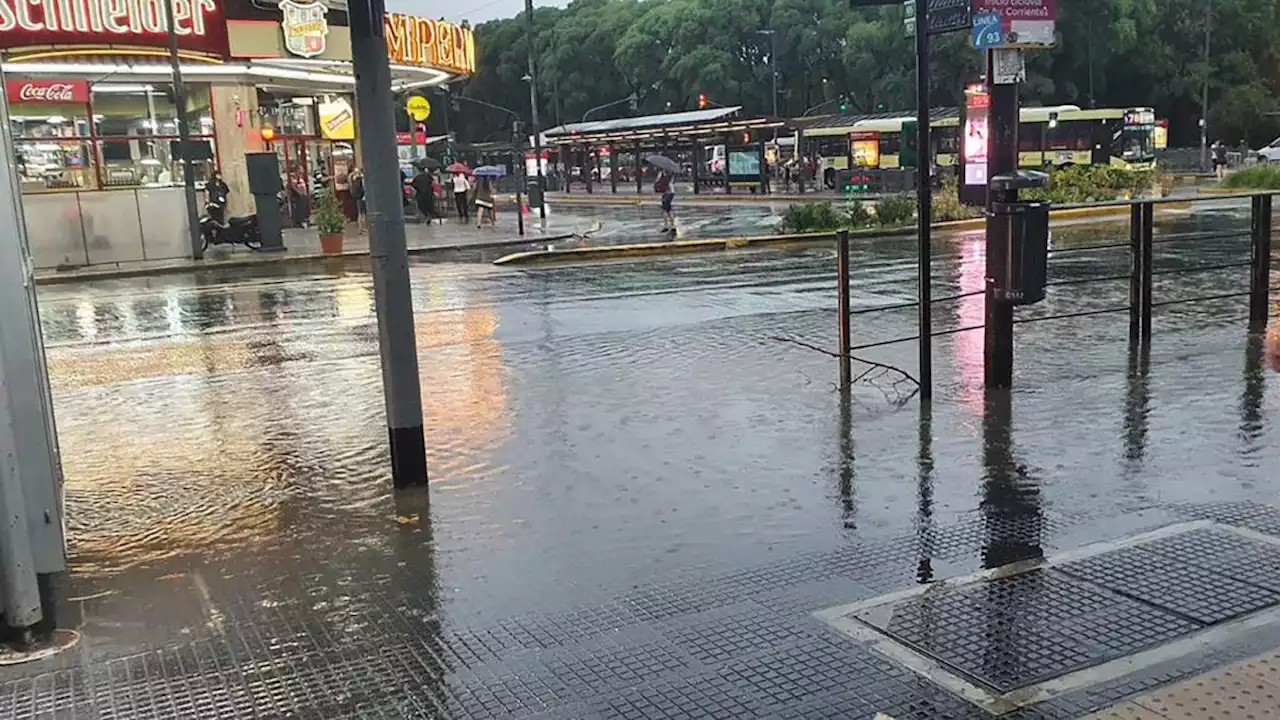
<point x="1023" y="633"/>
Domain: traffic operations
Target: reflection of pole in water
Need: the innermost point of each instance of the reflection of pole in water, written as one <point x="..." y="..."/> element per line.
<point x="1255" y="381"/>
<point x="848" y="508"/>
<point x="1011" y="503"/>
<point x="924" y="496"/>
<point x="1137" y="408"/>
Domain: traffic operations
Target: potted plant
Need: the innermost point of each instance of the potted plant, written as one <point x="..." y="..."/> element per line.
<point x="330" y="222"/>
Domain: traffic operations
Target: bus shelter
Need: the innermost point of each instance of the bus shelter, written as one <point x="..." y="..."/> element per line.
<point x="716" y="148"/>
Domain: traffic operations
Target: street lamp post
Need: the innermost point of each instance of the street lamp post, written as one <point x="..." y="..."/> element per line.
<point x="773" y="64"/>
<point x="184" y="136"/>
<point x="535" y="128"/>
<point x="1204" y="90"/>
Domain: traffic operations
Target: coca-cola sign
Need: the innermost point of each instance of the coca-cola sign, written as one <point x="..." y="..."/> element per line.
<point x="47" y="91"/>
<point x="199" y="24"/>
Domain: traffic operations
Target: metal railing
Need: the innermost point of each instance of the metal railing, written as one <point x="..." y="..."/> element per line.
<point x="1141" y="300"/>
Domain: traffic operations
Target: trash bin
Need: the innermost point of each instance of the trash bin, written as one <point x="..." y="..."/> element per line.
<point x="1023" y="229"/>
<point x="534" y="189"/>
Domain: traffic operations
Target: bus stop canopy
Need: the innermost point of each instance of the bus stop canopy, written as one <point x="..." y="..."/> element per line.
<point x="672" y="127"/>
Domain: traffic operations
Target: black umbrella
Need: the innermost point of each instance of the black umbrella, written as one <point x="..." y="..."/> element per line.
<point x="662" y="162"/>
<point x="427" y="163"/>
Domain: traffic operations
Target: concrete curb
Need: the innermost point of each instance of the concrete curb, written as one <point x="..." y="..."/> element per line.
<point x="685" y="247"/>
<point x="257" y="259"/>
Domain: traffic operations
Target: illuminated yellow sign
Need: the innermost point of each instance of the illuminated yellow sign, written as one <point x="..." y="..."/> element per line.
<point x="337" y="121"/>
<point x="430" y="43"/>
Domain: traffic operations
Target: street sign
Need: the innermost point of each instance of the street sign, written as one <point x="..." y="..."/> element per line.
<point x="1022" y="23"/>
<point x="944" y="16"/>
<point x="948" y="16"/>
<point x="987" y="32"/>
<point x="1007" y="67"/>
<point x="419" y="108"/>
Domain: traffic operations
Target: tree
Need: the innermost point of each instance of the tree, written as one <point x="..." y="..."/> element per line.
<point x="1110" y="53"/>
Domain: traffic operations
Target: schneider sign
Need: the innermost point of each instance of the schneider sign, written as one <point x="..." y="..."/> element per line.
<point x="199" y="24"/>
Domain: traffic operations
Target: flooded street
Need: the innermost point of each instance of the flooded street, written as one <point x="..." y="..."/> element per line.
<point x="597" y="430"/>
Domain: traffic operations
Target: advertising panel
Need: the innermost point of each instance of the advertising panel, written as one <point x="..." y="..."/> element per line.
<point x="199" y="24"/>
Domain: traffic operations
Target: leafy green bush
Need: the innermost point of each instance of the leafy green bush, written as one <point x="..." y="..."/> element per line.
<point x="857" y="215"/>
<point x="810" y="217"/>
<point x="1255" y="177"/>
<point x="327" y="215"/>
<point x="1092" y="183"/>
<point x="895" y="210"/>
<point x="947" y="205"/>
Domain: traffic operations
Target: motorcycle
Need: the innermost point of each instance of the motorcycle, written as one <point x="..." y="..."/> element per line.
<point x="239" y="230"/>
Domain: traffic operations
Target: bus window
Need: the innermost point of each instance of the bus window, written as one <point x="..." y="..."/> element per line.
<point x="1029" y="136"/>
<point x="833" y="147"/>
<point x="947" y="140"/>
<point x="890" y="143"/>
<point x="1136" y="143"/>
<point x="1072" y="135"/>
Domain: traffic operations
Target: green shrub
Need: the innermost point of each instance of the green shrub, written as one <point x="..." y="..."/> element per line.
<point x="327" y="215"/>
<point x="857" y="215"/>
<point x="1092" y="183"/>
<point x="947" y="205"/>
<point x="810" y="217"/>
<point x="895" y="210"/>
<point x="1255" y="177"/>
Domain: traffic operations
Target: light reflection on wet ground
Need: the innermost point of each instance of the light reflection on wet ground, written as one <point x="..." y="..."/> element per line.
<point x="598" y="427"/>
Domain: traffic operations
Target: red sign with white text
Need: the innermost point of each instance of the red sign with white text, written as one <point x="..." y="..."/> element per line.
<point x="47" y="91"/>
<point x="199" y="24"/>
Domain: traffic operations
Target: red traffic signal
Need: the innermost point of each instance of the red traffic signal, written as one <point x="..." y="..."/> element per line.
<point x="702" y="101"/>
<point x="746" y="138"/>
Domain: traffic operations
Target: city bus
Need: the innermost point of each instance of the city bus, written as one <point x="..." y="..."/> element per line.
<point x="1053" y="136"/>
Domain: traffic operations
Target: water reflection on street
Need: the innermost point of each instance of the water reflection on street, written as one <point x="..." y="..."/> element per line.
<point x="592" y="428"/>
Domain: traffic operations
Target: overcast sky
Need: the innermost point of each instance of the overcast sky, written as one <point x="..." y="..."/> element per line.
<point x="477" y="11"/>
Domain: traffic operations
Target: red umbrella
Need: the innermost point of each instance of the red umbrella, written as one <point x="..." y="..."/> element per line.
<point x="458" y="167"/>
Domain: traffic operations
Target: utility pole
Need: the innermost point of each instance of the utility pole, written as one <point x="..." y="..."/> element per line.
<point x="1002" y="159"/>
<point x="536" y="128"/>
<point x="184" y="135"/>
<point x="924" y="204"/>
<point x="773" y="64"/>
<point x="387" y="253"/>
<point x="32" y="546"/>
<point x="1204" y="90"/>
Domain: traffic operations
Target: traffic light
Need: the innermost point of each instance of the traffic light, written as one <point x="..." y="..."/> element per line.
<point x="702" y="101"/>
<point x="844" y="103"/>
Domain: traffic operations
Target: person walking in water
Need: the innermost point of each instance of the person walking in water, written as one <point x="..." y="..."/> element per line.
<point x="666" y="187"/>
<point x="460" y="189"/>
<point x="1219" y="160"/>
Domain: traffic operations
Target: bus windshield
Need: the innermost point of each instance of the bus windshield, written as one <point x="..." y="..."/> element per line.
<point x="1137" y="143"/>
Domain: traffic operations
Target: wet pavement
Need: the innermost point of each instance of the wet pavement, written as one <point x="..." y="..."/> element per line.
<point x="638" y="495"/>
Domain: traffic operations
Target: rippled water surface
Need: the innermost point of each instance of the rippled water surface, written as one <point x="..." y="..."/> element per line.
<point x="598" y="426"/>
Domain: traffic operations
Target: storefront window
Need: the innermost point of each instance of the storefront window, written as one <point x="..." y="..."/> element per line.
<point x="69" y="135"/>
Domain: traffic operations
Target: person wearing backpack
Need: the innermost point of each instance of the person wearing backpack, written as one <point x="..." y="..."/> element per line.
<point x="666" y="187"/>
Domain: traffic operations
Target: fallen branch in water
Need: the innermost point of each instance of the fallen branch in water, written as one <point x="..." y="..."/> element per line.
<point x="875" y="370"/>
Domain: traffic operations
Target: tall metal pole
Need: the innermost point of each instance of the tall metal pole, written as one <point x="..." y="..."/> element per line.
<point x="1204" y="90"/>
<point x="413" y="135"/>
<point x="387" y="253"/>
<point x="184" y="135"/>
<point x="773" y="67"/>
<point x="924" y="204"/>
<point x="1002" y="159"/>
<point x="535" y="128"/>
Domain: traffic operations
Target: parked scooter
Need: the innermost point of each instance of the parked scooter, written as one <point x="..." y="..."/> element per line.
<point x="217" y="229"/>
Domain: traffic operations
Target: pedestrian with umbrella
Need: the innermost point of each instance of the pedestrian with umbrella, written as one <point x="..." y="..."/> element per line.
<point x="665" y="185"/>
<point x="461" y="186"/>
<point x="485" y="176"/>
<point x="424" y="193"/>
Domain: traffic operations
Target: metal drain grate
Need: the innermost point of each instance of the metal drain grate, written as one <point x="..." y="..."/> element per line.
<point x="1020" y="634"/>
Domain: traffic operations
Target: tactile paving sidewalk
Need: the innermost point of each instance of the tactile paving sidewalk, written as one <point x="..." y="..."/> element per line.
<point x="742" y="645"/>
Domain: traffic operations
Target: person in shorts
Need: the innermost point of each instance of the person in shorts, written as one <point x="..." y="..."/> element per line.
<point x="1219" y="159"/>
<point x="666" y="186"/>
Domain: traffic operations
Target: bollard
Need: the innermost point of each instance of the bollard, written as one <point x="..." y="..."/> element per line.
<point x="1148" y="268"/>
<point x="1135" y="272"/>
<point x="842" y="303"/>
<point x="1260" y="263"/>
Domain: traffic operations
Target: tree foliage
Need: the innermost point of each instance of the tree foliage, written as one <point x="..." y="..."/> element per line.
<point x="1111" y="53"/>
